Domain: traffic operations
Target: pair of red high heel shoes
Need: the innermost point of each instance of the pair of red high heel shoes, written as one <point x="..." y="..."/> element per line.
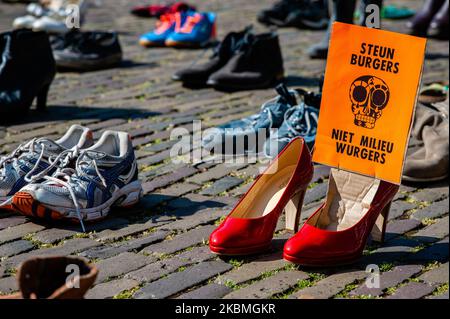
<point x="335" y="234"/>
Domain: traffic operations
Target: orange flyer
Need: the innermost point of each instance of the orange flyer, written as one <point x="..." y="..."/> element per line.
<point x="369" y="94"/>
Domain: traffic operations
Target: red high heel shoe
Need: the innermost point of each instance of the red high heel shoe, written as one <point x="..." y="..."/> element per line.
<point x="337" y="232"/>
<point x="249" y="228"/>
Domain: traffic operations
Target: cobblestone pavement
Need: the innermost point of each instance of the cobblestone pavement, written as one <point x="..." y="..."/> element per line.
<point x="158" y="249"/>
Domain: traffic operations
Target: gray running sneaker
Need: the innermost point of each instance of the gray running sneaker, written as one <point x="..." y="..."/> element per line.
<point x="35" y="156"/>
<point x="103" y="175"/>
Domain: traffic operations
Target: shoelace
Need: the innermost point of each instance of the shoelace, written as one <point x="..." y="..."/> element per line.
<point x="65" y="176"/>
<point x="6" y="54"/>
<point x="304" y="121"/>
<point x="28" y="147"/>
<point x="164" y="23"/>
<point x="189" y="24"/>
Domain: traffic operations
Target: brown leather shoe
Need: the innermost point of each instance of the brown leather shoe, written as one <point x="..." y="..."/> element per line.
<point x="49" y="278"/>
<point x="430" y="162"/>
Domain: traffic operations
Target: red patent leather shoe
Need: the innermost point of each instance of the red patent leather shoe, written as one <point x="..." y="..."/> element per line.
<point x="249" y="228"/>
<point x="337" y="232"/>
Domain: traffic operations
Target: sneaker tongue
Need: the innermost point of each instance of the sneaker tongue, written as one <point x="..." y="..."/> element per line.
<point x="50" y="147"/>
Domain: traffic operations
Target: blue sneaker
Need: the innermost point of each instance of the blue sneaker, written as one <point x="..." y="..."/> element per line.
<point x="196" y="29"/>
<point x="164" y="28"/>
<point x="259" y="125"/>
<point x="300" y="120"/>
<point x="104" y="175"/>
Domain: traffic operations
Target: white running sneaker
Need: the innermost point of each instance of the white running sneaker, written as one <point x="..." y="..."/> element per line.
<point x="57" y="21"/>
<point x="36" y="11"/>
<point x="39" y="155"/>
<point x="104" y="175"/>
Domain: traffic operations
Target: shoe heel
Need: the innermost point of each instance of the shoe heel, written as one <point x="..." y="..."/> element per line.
<point x="41" y="99"/>
<point x="379" y="229"/>
<point x="293" y="211"/>
<point x="131" y="198"/>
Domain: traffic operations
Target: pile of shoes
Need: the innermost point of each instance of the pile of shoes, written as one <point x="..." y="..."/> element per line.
<point x="52" y="16"/>
<point x="303" y="14"/>
<point x="182" y="27"/>
<point x="293" y="113"/>
<point x="71" y="178"/>
<point x="242" y="61"/>
<point x="74" y="50"/>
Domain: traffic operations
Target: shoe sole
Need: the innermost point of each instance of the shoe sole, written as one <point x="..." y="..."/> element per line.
<point x="151" y="44"/>
<point x="90" y="65"/>
<point x="127" y="196"/>
<point x="192" y="45"/>
<point x="239" y="251"/>
<point x="311" y="262"/>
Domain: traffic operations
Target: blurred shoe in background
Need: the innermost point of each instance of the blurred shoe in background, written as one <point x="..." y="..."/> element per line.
<point x="53" y="16"/>
<point x="258" y="63"/>
<point x="304" y="14"/>
<point x="198" y="74"/>
<point x="157" y="10"/>
<point x="182" y="29"/>
<point x="430" y="161"/>
<point x="27" y="69"/>
<point x="87" y="51"/>
<point x="164" y="28"/>
<point x="193" y="29"/>
<point x="433" y="12"/>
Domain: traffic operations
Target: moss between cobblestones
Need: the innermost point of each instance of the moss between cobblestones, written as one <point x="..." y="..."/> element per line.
<point x="37" y="244"/>
<point x="220" y="220"/>
<point x="418" y="248"/>
<point x="301" y="284"/>
<point x="440" y="290"/>
<point x="428" y="221"/>
<point x="312" y="185"/>
<point x="128" y="294"/>
<point x="10" y="271"/>
<point x="236" y="263"/>
<point x="344" y="293"/>
<point x="386" y="267"/>
<point x="431" y="265"/>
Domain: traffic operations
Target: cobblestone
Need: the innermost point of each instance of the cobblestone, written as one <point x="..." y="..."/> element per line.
<point x="160" y="245"/>
<point x="182" y="280"/>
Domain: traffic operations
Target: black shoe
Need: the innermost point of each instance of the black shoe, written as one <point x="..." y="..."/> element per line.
<point x="87" y="51"/>
<point x="257" y="64"/>
<point x="421" y="21"/>
<point x="313" y="15"/>
<point x="277" y="14"/>
<point x="197" y="75"/>
<point x="27" y="69"/>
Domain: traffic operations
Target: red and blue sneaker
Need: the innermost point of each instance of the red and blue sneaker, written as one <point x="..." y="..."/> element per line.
<point x="193" y="29"/>
<point x="164" y="28"/>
